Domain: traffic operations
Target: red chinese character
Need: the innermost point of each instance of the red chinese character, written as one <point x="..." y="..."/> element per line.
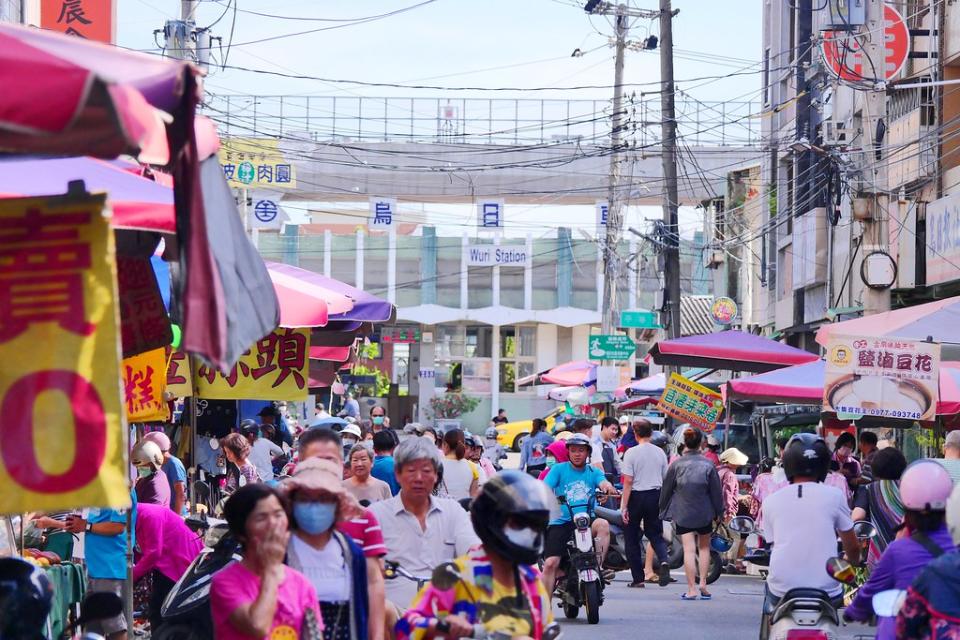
<point x="172" y="376"/>
<point x="133" y="384"/>
<point x="885" y="360"/>
<point x="207" y="373"/>
<point x="35" y="226"/>
<point x="924" y="362"/>
<point x="866" y="358"/>
<point x="30" y="299"/>
<point x="291" y="356"/>
<point x="266" y="354"/>
<point x="904" y="362"/>
<point x="72" y="10"/>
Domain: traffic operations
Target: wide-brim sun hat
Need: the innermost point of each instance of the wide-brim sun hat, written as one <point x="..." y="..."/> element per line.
<point x="735" y="457"/>
<point x="327" y="477"/>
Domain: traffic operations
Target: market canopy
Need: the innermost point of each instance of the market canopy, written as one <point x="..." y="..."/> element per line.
<point x="652" y="386"/>
<point x="578" y="373"/>
<point x="938" y="320"/>
<point x="731" y="350"/>
<point x="137" y="203"/>
<point x="346" y="305"/>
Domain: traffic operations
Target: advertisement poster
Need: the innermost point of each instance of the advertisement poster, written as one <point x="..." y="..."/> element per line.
<point x="882" y="377"/>
<point x="62" y="437"/>
<point x="688" y="401"/>
<point x="251" y="163"/>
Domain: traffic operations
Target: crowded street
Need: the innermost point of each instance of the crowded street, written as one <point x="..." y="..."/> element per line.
<point x="500" y="320"/>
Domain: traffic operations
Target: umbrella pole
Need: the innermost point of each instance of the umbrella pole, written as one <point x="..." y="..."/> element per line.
<point x="193" y="435"/>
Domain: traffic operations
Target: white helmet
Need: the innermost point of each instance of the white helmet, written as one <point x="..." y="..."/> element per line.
<point x="147" y="454"/>
<point x="352" y="430"/>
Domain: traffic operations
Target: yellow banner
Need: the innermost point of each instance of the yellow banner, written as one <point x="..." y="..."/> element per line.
<point x="275" y="368"/>
<point x="256" y="163"/>
<point x="179" y="378"/>
<point x="62" y="443"/>
<point x="144" y="381"/>
<point x="688" y="401"/>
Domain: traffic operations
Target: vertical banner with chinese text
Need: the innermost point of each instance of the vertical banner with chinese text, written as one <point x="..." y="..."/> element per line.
<point x="62" y="437"/>
<point x="144" y="381"/>
<point x="882" y="377"/>
<point x="275" y="368"/>
<point x="88" y="19"/>
<point x="691" y="402"/>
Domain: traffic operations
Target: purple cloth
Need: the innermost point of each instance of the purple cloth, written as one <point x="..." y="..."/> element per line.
<point x="898" y="566"/>
<point x="154" y="489"/>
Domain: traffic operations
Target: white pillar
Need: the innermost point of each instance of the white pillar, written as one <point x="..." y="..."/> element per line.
<point x="528" y="275"/>
<point x="358" y="271"/>
<point x="579" y="335"/>
<point x="496" y="276"/>
<point x="599" y="276"/>
<point x="327" y="257"/>
<point x="464" y="291"/>
<point x="392" y="265"/>
<point x="546" y="346"/>
<point x="495" y="369"/>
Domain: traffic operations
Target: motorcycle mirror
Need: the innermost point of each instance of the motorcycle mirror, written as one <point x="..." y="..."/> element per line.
<point x="445" y="576"/>
<point x="743" y="525"/>
<point x="99" y="606"/>
<point x="864" y="530"/>
<point x="887" y="603"/>
<point x="841" y="571"/>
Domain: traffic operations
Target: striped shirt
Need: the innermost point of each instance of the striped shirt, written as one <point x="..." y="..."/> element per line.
<point x="366" y="532"/>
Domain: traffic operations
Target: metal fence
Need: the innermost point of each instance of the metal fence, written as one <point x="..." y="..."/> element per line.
<point x="501" y="121"/>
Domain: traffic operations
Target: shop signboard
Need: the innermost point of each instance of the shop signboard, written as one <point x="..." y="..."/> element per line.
<point x="943" y="239"/>
<point x="87" y="19"/>
<point x="144" y="378"/>
<point x="275" y="368"/>
<point x="724" y="310"/>
<point x="251" y="163"/>
<point x="882" y="377"/>
<point x="62" y="443"/>
<point x="179" y="377"/>
<point x="691" y="402"/>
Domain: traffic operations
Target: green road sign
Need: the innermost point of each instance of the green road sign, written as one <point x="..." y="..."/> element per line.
<point x="610" y="347"/>
<point x="639" y="319"/>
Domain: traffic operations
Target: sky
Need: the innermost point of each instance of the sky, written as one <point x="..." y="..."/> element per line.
<point x="457" y="43"/>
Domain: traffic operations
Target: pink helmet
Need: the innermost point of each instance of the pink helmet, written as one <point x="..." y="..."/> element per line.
<point x="158" y="438"/>
<point x="925" y="486"/>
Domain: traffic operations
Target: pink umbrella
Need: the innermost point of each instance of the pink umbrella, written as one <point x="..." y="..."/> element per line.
<point x="330" y="354"/>
<point x="304" y="301"/>
<point x="731" y="350"/>
<point x="579" y="373"/>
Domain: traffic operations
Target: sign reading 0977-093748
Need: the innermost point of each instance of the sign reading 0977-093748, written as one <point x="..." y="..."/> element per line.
<point x="61" y="437"/>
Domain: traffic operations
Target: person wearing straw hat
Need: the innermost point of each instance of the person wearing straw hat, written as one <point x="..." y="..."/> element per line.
<point x="331" y="561"/>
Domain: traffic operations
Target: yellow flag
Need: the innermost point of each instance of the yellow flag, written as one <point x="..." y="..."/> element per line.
<point x="62" y="443"/>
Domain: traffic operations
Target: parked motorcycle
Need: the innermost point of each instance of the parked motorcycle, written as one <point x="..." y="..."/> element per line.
<point x="579" y="583"/>
<point x="186" y="609"/>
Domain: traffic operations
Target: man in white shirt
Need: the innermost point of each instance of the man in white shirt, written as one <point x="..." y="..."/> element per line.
<point x="802" y="522"/>
<point x="644" y="468"/>
<point x="421" y="531"/>
<point x="262" y="450"/>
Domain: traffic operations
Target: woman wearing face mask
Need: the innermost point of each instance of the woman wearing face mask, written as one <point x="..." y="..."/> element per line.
<point x="556" y="452"/>
<point x="361" y="485"/>
<point x="330" y="560"/>
<point x="350" y="435"/>
<point x="152" y="486"/>
<point x="259" y="597"/>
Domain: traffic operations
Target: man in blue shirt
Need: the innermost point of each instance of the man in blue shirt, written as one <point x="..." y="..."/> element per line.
<point x="384" y="443"/>
<point x="174" y="470"/>
<point x="576" y="482"/>
<point x="105" y="551"/>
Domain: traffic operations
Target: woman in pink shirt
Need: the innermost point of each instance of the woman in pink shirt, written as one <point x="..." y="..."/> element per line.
<point x="166" y="547"/>
<point x="260" y="597"/>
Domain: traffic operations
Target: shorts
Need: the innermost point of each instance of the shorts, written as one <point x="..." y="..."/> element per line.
<point x="113" y="625"/>
<point x="555" y="539"/>
<point x="703" y="531"/>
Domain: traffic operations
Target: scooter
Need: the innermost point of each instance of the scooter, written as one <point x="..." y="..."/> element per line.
<point x="186" y="609"/>
<point x="579" y="583"/>
<point x="807" y="613"/>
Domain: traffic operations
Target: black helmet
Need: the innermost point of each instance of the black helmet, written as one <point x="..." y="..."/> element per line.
<point x="579" y="439"/>
<point x="518" y="497"/>
<point x="250" y="426"/>
<point x="806" y="454"/>
<point x="25" y="597"/>
<point x="660" y="439"/>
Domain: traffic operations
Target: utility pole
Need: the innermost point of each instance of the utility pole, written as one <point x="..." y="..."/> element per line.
<point x="180" y="36"/>
<point x="671" y="227"/>
<point x="876" y="237"/>
<point x="611" y="261"/>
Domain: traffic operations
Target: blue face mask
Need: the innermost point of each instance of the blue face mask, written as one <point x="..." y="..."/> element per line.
<point x="314" y="517"/>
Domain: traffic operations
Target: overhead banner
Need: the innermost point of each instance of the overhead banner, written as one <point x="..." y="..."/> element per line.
<point x="179" y="377"/>
<point x="256" y="163"/>
<point x="691" y="402"/>
<point x="144" y="381"/>
<point x="882" y="377"/>
<point x="62" y="442"/>
<point x="275" y="368"/>
<point x="87" y="19"/>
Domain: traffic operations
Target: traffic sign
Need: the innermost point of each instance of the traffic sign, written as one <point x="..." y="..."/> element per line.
<point x="843" y="54"/>
<point x="610" y="347"/>
<point x="639" y="319"/>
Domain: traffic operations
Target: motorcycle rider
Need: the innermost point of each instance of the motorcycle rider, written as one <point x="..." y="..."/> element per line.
<point x="496" y="584"/>
<point x="576" y="481"/>
<point x="924" y="489"/>
<point x="26" y="596"/>
<point x="802" y="521"/>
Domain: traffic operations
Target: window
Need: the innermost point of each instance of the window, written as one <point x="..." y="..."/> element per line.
<point x="462" y="357"/>
<point x="518" y="351"/>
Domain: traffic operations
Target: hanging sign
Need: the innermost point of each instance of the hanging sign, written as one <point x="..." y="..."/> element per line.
<point x="264" y="210"/>
<point x="87" y="19"/>
<point x="144" y="381"/>
<point x="691" y="402"/>
<point x="179" y="377"/>
<point x="382" y="211"/>
<point x="490" y="255"/>
<point x="250" y="163"/>
<point x="603" y="211"/>
<point x="275" y="368"/>
<point x="843" y="51"/>
<point x="724" y="310"/>
<point x="490" y="214"/>
<point x="882" y="377"/>
<point x="62" y="434"/>
<point x="145" y="325"/>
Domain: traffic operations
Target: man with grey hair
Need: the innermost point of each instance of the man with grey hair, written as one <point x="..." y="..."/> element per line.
<point x="951" y="445"/>
<point x="420" y="530"/>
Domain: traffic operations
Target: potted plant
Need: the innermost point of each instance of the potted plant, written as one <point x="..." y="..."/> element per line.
<point x="448" y="408"/>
